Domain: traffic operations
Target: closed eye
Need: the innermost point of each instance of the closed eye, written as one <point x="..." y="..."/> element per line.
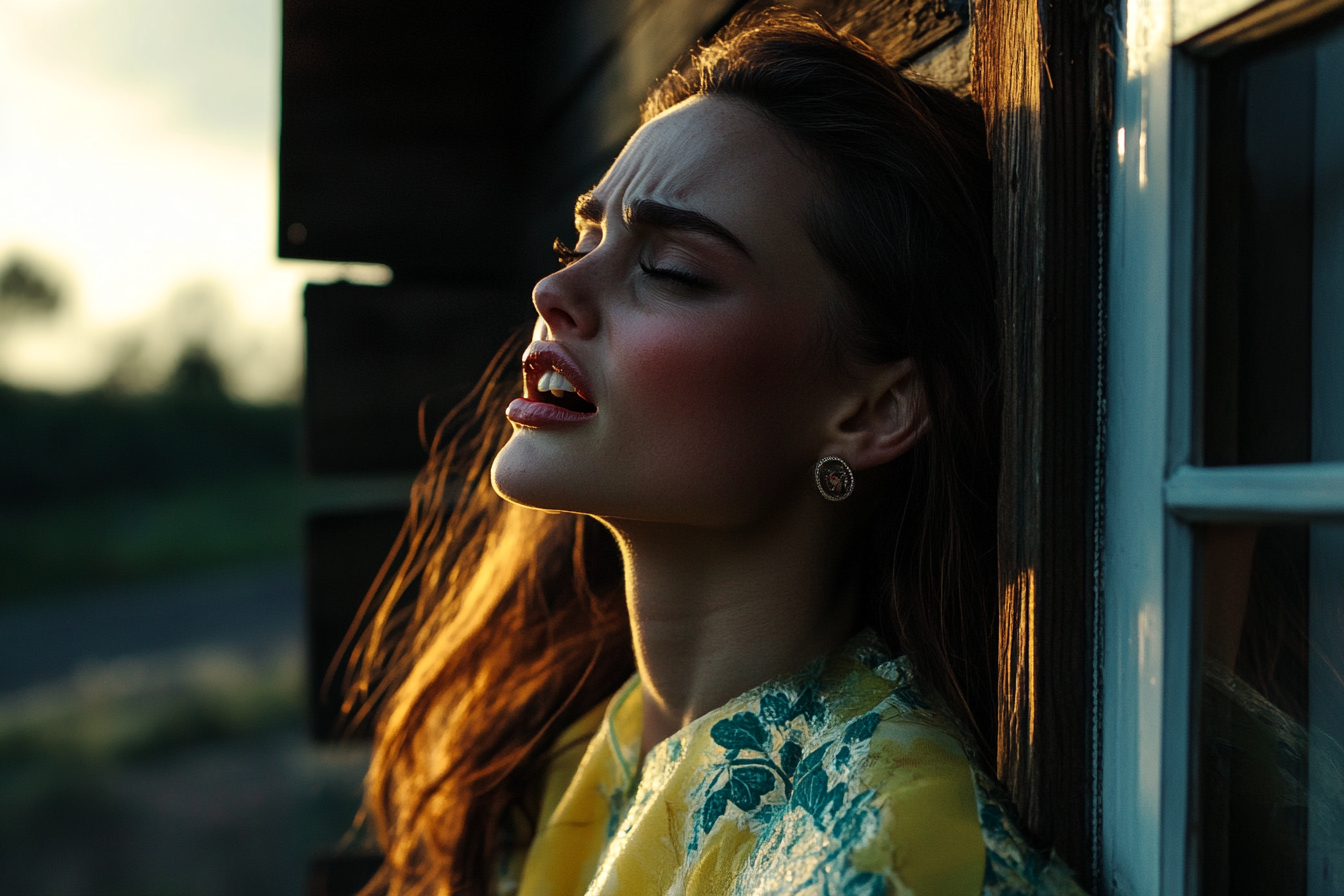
<point x="675" y="275"/>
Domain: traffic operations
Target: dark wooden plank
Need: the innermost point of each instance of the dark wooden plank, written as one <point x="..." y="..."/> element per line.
<point x="403" y="132"/>
<point x="597" y="80"/>
<point x="375" y="353"/>
<point x="343" y="552"/>
<point x="899" y="29"/>
<point x="1042" y="74"/>
<point x="1007" y="81"/>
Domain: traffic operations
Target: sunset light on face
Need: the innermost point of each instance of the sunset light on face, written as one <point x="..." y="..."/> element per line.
<point x="688" y="322"/>
<point x="138" y="167"/>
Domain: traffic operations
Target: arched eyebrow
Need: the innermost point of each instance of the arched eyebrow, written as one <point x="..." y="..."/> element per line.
<point x="651" y="213"/>
<point x="588" y="209"/>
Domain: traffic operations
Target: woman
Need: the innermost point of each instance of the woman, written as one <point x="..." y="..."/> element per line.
<point x="767" y="369"/>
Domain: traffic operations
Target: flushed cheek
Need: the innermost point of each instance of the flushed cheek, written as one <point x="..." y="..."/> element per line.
<point x="708" y="390"/>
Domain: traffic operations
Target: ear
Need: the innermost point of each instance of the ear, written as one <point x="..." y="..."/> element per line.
<point x="882" y="417"/>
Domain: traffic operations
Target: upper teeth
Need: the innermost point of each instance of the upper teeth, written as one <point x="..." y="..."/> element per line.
<point x="551" y="381"/>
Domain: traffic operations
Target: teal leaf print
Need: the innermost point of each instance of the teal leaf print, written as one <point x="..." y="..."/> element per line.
<point x="713" y="809"/>
<point x="786" y="764"/>
<point x="789" y="755"/>
<point x="836" y="798"/>
<point x="849" y="826"/>
<point x="811" y="791"/>
<point x="861" y="728"/>
<point x="743" y="731"/>
<point x="775" y="708"/>
<point x="809" y="706"/>
<point x="813" y="759"/>
<point x="615" y="810"/>
<point x="748" y="784"/>
<point x="991" y="818"/>
<point x="866" y="883"/>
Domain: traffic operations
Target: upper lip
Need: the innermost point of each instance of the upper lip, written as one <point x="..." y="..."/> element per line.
<point x="542" y="356"/>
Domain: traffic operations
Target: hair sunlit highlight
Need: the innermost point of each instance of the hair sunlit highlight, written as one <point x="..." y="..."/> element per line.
<point x="490" y="629"/>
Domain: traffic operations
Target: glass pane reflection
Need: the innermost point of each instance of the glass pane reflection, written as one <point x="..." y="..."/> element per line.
<point x="1270" y="812"/>
<point x="1272" y="711"/>
<point x="1272" y="344"/>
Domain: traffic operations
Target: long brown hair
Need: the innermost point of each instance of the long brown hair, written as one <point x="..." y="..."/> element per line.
<point x="492" y="626"/>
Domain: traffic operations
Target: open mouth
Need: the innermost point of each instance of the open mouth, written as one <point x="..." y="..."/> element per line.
<point x="553" y="388"/>
<point x="551" y="377"/>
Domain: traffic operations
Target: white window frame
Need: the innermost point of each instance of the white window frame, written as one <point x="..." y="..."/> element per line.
<point x="1153" y="491"/>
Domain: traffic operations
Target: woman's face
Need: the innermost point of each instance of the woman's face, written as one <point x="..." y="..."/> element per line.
<point x="693" y="321"/>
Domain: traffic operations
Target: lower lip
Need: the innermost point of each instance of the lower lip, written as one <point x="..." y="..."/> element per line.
<point x="539" y="414"/>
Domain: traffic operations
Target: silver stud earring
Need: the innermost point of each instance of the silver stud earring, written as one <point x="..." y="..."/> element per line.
<point x="834" y="478"/>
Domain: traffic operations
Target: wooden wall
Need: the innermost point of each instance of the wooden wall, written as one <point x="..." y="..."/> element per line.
<point x="1042" y="73"/>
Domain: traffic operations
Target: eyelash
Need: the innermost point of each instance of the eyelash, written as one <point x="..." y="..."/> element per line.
<point x="567" y="256"/>
<point x="685" y="278"/>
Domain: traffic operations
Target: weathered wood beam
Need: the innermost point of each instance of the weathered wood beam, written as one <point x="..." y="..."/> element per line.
<point x="1041" y="71"/>
<point x="900" y="30"/>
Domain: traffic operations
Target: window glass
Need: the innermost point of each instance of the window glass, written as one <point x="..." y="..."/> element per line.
<point x="1270" y="814"/>
<point x="1271" y="809"/>
<point x="1274" y="252"/>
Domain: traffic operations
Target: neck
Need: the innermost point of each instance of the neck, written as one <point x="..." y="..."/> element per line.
<point x="716" y="612"/>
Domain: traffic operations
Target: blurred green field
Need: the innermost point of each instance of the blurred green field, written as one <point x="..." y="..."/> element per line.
<point x="129" y="536"/>
<point x="101" y="488"/>
<point x="185" y="773"/>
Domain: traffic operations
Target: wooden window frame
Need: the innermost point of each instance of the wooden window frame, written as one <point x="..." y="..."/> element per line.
<point x="1155" y="488"/>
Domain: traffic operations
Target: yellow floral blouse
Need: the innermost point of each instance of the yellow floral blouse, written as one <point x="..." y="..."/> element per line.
<point x="838" y="780"/>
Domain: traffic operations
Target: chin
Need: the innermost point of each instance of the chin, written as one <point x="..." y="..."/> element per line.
<point x="522" y="474"/>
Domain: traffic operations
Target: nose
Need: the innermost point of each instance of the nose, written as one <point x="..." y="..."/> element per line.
<point x="565" y="305"/>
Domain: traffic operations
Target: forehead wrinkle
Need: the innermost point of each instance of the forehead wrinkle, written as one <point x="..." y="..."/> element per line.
<point x="668" y="177"/>
<point x="685" y="171"/>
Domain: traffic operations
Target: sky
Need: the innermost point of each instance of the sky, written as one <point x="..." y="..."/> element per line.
<point x="138" y="171"/>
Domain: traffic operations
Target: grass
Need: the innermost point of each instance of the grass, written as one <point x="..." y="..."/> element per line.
<point x="177" y="773"/>
<point x="128" y="536"/>
<point x="136" y="707"/>
<point x="100" y="488"/>
<point x="185" y="772"/>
